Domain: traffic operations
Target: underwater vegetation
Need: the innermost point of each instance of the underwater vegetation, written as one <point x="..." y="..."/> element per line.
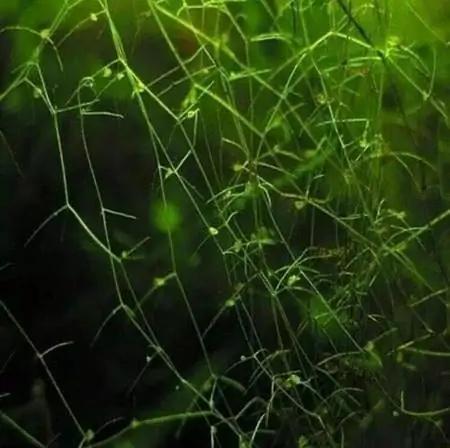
<point x="224" y="223"/>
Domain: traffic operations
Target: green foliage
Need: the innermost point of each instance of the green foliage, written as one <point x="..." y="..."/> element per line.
<point x="265" y="177"/>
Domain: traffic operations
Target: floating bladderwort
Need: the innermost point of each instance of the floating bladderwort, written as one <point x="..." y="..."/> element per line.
<point x="279" y="239"/>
